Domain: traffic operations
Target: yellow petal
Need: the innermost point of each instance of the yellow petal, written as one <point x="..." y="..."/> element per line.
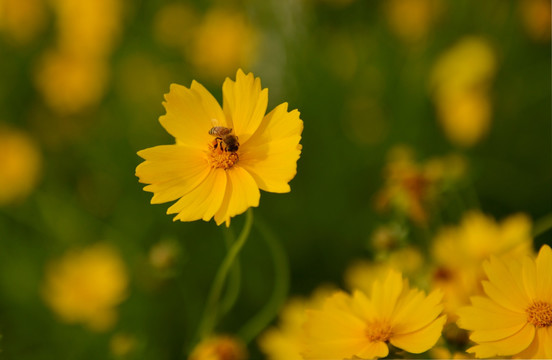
<point x="172" y="171"/>
<point x="544" y="274"/>
<point x="363" y="307"/>
<point x="374" y="350"/>
<point x="421" y="340"/>
<point x="529" y="276"/>
<point x="244" y="104"/>
<point x="190" y="113"/>
<point x="484" y="314"/>
<point x="385" y="294"/>
<point x="203" y="201"/>
<point x="271" y="154"/>
<point x="507" y="346"/>
<point x="418" y="312"/>
<point x="507" y="285"/>
<point x="495" y="334"/>
<point x="241" y="193"/>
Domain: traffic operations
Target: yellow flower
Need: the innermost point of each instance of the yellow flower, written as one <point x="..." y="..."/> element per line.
<point x="22" y="20"/>
<point x="85" y="286"/>
<point x="121" y="345"/>
<point x="515" y="318"/>
<point x="224" y="41"/>
<point x="284" y="342"/>
<point x="21" y="163"/>
<point x="358" y="326"/>
<point x="200" y="171"/>
<point x="219" y="348"/>
<point x="460" y="82"/>
<point x="459" y="251"/>
<point x="412" y="19"/>
<point x="70" y="83"/>
<point x="536" y="18"/>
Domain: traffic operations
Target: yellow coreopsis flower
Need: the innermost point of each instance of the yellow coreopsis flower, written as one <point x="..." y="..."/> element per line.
<point x="20" y="163"/>
<point x="515" y="318"/>
<point x="284" y="341"/>
<point x="361" y="327"/>
<point x="459" y="251"/>
<point x="85" y="286"/>
<point x="221" y="347"/>
<point x="22" y="20"/>
<point x="213" y="175"/>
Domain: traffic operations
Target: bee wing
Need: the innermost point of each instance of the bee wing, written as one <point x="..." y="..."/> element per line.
<point x="215" y="122"/>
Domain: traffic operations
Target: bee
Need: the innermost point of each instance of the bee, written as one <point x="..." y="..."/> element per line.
<point x="225" y="136"/>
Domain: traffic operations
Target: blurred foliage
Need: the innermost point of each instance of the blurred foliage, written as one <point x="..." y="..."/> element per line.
<point x="82" y="86"/>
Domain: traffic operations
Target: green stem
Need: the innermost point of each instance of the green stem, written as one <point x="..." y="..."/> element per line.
<point x="281" y="274"/>
<point x="542" y="225"/>
<point x="234" y="280"/>
<point x="210" y="314"/>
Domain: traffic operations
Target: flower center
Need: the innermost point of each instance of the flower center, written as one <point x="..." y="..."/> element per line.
<point x="540" y="314"/>
<point x="378" y="331"/>
<point x="219" y="156"/>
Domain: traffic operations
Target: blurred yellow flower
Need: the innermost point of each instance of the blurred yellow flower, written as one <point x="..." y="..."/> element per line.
<point x="70" y="83"/>
<point x="285" y="341"/>
<point x="21" y="163"/>
<point x="85" y="286"/>
<point x="222" y="42"/>
<point x="459" y="251"/>
<point x="515" y="316"/>
<point x="88" y="28"/>
<point x="22" y="20"/>
<point x="362" y="274"/>
<point x="410" y="187"/>
<point x="207" y="176"/>
<point x="442" y="352"/>
<point x="361" y="327"/>
<point x="460" y="83"/>
<point x="221" y="347"/>
<point x="411" y="20"/>
<point x="536" y="18"/>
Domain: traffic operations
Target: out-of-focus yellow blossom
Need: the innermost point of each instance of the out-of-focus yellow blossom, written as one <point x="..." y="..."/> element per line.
<point x="410" y="187"/>
<point x="88" y="28"/>
<point x="22" y="20"/>
<point x="164" y="254"/>
<point x="284" y="341"/>
<point x="515" y="317"/>
<point x="201" y="171"/>
<point x="174" y="24"/>
<point x="221" y="347"/>
<point x="122" y="345"/>
<point x="362" y="274"/>
<point x="20" y="165"/>
<point x="411" y="20"/>
<point x="460" y="82"/>
<point x="70" y="83"/>
<point x="361" y="326"/>
<point x="222" y="42"/>
<point x="536" y="18"/>
<point x="459" y="251"/>
<point x="85" y="286"/>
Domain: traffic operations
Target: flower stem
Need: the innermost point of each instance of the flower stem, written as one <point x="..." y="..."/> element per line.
<point x="542" y="225"/>
<point x="211" y="312"/>
<point x="234" y="279"/>
<point x="281" y="274"/>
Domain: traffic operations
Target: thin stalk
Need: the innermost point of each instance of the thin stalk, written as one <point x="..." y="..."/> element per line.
<point x="211" y="312"/>
<point x="234" y="279"/>
<point x="281" y="274"/>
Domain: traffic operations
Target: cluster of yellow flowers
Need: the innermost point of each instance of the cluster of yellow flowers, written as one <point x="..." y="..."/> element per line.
<point x="74" y="74"/>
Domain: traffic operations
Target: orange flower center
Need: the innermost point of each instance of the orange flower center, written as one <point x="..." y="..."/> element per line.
<point x="379" y="331"/>
<point x="539" y="314"/>
<point x="219" y="156"/>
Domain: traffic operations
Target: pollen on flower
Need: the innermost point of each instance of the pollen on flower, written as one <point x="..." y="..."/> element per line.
<point x="379" y="331"/>
<point x="540" y="314"/>
<point x="220" y="157"/>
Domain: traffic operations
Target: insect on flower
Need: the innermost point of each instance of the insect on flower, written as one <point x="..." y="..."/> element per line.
<point x="224" y="135"/>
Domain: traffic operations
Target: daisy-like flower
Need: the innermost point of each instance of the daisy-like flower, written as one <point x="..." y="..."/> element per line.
<point x="361" y="327"/>
<point x="515" y="318"/>
<point x="212" y="176"/>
